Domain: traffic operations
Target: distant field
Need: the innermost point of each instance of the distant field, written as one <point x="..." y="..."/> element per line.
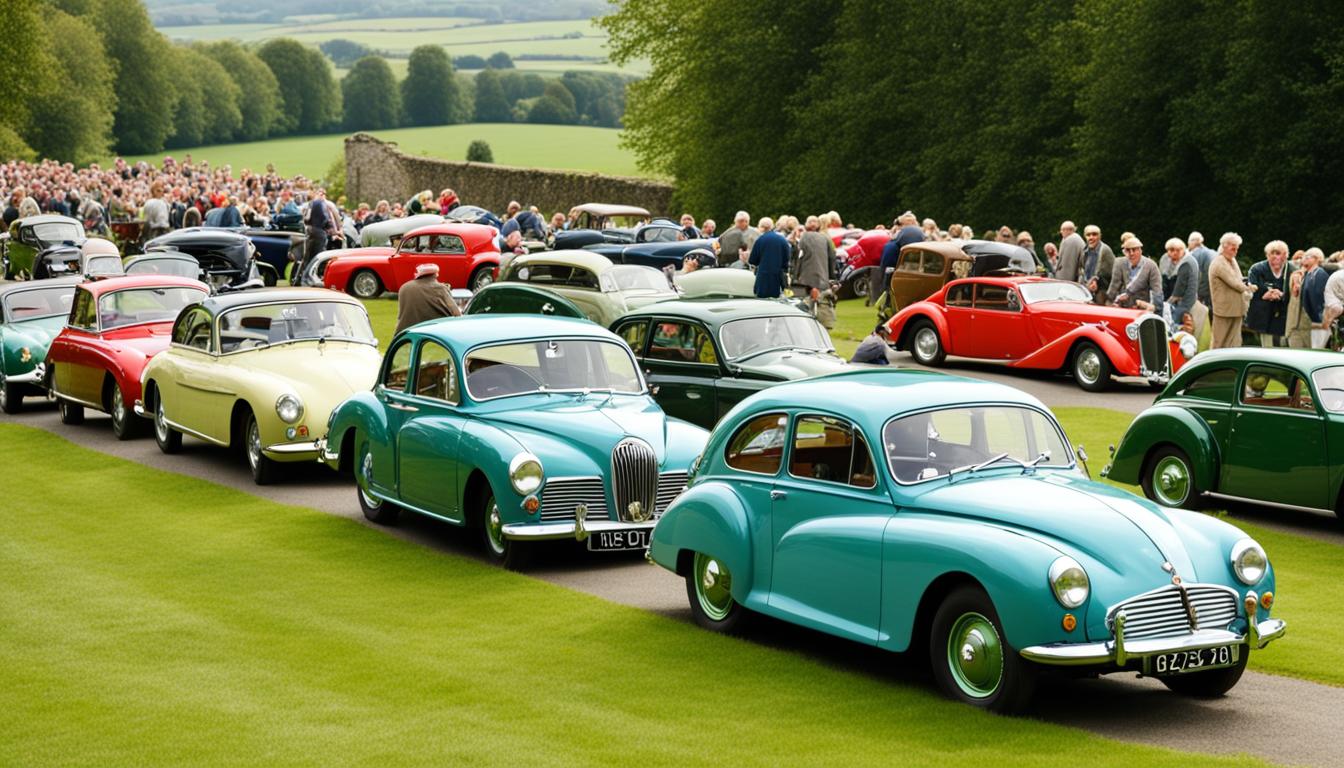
<point x="540" y="146"/>
<point x="545" y="68"/>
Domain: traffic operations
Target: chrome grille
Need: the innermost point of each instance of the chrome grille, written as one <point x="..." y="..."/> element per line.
<point x="1161" y="613"/>
<point x="670" y="486"/>
<point x="562" y="495"/>
<point x="1154" y="352"/>
<point x="634" y="479"/>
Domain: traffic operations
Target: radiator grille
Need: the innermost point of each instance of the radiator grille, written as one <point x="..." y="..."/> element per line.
<point x="1161" y="613"/>
<point x="561" y="496"/>
<point x="634" y="479"/>
<point x="670" y="486"/>
<point x="1154" y="351"/>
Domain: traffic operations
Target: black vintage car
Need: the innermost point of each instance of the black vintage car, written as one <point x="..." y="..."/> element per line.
<point x="37" y="243"/>
<point x="226" y="258"/>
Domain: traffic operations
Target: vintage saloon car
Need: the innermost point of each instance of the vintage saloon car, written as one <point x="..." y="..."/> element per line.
<point x="521" y="427"/>
<point x="582" y="281"/>
<point x="260" y="370"/>
<point x="904" y="508"/>
<point x="705" y="356"/>
<point x="30" y="239"/>
<point x="115" y="326"/>
<point x="466" y="254"/>
<point x="594" y="223"/>
<point x="225" y="257"/>
<point x="31" y="314"/>
<point x="1031" y="322"/>
<point x="657" y="244"/>
<point x="1261" y="426"/>
<point x="377" y="240"/>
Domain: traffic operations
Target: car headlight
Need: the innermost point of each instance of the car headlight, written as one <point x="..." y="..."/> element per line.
<point x="1249" y="561"/>
<point x="1186" y="343"/>
<point x="1132" y="330"/>
<point x="1069" y="581"/>
<point x="525" y="474"/>
<point x="289" y="408"/>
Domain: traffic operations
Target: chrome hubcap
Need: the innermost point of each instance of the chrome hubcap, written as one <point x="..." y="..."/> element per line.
<point x="975" y="655"/>
<point x="366" y="284"/>
<point x="1171" y="481"/>
<point x="118" y="416"/>
<point x="713" y="587"/>
<point x="494" y="529"/>
<point x="366" y="474"/>
<point x="483" y="278"/>
<point x="926" y="343"/>
<point x="160" y="423"/>
<point x="253" y="444"/>
<point x="1089" y="366"/>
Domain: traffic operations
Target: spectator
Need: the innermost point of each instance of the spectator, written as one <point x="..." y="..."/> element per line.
<point x="1203" y="257"/>
<point x="424" y="298"/>
<point x="1024" y="240"/>
<point x="1227" y="293"/>
<point x="381" y="212"/>
<point x="1005" y="234"/>
<point x="737" y="241"/>
<point x="1098" y="264"/>
<point x="1267" y="315"/>
<point x="1180" y="280"/>
<point x="558" y="222"/>
<point x="156" y="213"/>
<point x="815" y="267"/>
<point x="707" y="228"/>
<point x="1313" y="281"/>
<point x="12" y="209"/>
<point x="1051" y="258"/>
<point x="512" y="210"/>
<point x="316" y="227"/>
<point x="418" y="203"/>
<point x="448" y="201"/>
<point x="904" y="231"/>
<point x="874" y="348"/>
<point x="688" y="230"/>
<point x="1135" y="281"/>
<point x="1071" y="249"/>
<point x="930" y="229"/>
<point x="770" y="257"/>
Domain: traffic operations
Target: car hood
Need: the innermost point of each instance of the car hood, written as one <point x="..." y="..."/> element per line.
<point x="790" y="364"/>
<point x="593" y="425"/>
<point x="322" y="376"/>
<point x="1064" y="316"/>
<point x="148" y="339"/>
<point x="35" y="334"/>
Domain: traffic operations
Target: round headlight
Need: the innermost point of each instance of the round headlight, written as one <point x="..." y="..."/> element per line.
<point x="1187" y="344"/>
<point x="1069" y="581"/>
<point x="525" y="473"/>
<point x="289" y="408"/>
<point x="1132" y="330"/>
<point x="1249" y="561"/>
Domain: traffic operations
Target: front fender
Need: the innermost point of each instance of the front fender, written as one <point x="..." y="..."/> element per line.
<point x="361" y="413"/>
<point x="1166" y="424"/>
<point x="1056" y="354"/>
<point x="920" y="310"/>
<point x="713" y="519"/>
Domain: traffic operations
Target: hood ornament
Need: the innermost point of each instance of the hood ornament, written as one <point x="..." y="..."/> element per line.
<point x="1190" y="611"/>
<point x="637" y="512"/>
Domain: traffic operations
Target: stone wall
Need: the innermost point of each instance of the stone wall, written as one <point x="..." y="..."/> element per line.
<point x="377" y="170"/>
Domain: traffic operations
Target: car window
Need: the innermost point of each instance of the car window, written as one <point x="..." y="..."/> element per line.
<point x="1330" y="386"/>
<point x="132" y="306"/>
<point x="996" y="297"/>
<point x="559" y="275"/>
<point x="1218" y="385"/>
<point x="932" y="264"/>
<point x="681" y="343"/>
<point x="398" y="367"/>
<point x="909" y="262"/>
<point x="193" y="330"/>
<point x="263" y="325"/>
<point x="927" y="445"/>
<point x="82" y="314"/>
<point x="435" y="374"/>
<point x="564" y="365"/>
<point x="634" y="333"/>
<point x="830" y="449"/>
<point x="413" y="245"/>
<point x="758" y="445"/>
<point x="41" y="302"/>
<point x="960" y="295"/>
<point x="1276" y="388"/>
<point x="446" y="244"/>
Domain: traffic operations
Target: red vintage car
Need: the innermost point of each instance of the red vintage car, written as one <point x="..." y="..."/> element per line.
<point x="115" y="327"/>
<point x="467" y="255"/>
<point x="1033" y="322"/>
<point x="858" y="255"/>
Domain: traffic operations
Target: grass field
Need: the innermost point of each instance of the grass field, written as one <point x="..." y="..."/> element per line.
<point x="566" y="147"/>
<point x="148" y="618"/>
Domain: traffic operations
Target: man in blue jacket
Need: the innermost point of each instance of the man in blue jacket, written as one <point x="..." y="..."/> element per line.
<point x="904" y="231"/>
<point x="1313" y="296"/>
<point x="770" y="256"/>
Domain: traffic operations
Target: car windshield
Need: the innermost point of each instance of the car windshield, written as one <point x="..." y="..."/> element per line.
<point x="103" y="265"/>
<point x="932" y="444"/>
<point x="743" y="338"/>
<point x="178" y="267"/>
<point x="631" y="277"/>
<point x="41" y="302"/>
<point x="263" y="325"/>
<point x="1330" y="385"/>
<point x="554" y="275"/>
<point x="1054" y="290"/>
<point x="143" y="305"/>
<point x="570" y="365"/>
<point x="59" y="231"/>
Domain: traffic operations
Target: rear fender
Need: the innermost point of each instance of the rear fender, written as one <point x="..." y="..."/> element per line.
<point x="1166" y="424"/>
<point x="709" y="518"/>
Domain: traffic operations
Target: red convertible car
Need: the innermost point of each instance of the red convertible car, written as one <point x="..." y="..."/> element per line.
<point x="1033" y="322"/>
<point x="115" y="327"/>
<point x="467" y="256"/>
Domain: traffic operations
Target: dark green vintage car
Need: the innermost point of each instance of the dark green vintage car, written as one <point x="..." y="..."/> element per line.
<point x="705" y="356"/>
<point x="1246" y="425"/>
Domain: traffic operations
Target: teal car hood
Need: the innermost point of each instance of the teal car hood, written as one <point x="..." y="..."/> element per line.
<point x="593" y="425"/>
<point x="790" y="364"/>
<point x="36" y="335"/>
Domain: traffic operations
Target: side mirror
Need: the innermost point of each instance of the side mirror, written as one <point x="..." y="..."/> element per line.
<point x="1082" y="459"/>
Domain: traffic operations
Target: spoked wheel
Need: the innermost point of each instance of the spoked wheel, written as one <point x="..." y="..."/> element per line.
<point x="125" y="425"/>
<point x="366" y="285"/>
<point x="1091" y="367"/>
<point x="925" y="345"/>
<point x="71" y="413"/>
<point x="11" y="399"/>
<point x="169" y="439"/>
<point x="501" y="550"/>
<point x="972" y="662"/>
<point x="1210" y="684"/>
<point x="1169" y="479"/>
<point x="264" y="470"/>
<point x="709" y="588"/>
<point x="375" y="509"/>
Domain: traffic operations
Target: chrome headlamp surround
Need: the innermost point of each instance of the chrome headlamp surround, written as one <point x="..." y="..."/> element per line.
<point x="1249" y="562"/>
<point x="526" y="474"/>
<point x="1132" y="330"/>
<point x="1069" y="582"/>
<point x="289" y="408"/>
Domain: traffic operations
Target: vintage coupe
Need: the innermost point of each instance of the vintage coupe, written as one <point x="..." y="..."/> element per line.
<point x="260" y="371"/>
<point x="705" y="356"/>
<point x="31" y="238"/>
<point x="1031" y="322"/>
<point x="573" y="284"/>
<point x="909" y="509"/>
<point x="523" y="428"/>
<point x="164" y="263"/>
<point x="1246" y="425"/>
<point x="378" y="239"/>
<point x="115" y="326"/>
<point x="31" y="314"/>
<point x="225" y="257"/>
<point x="658" y="244"/>
<point x="596" y="223"/>
<point x="466" y="254"/>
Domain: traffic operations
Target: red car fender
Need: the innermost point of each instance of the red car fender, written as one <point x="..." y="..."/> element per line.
<point x="1057" y="353"/>
<point x="927" y="310"/>
<point x="338" y="273"/>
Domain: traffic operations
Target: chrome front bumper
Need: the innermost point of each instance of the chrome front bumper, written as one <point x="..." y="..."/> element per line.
<point x="569" y="529"/>
<point x="323" y="455"/>
<point x="293" y="451"/>
<point x="33" y="377"/>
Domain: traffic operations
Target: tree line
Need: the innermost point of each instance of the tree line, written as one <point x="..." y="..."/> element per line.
<point x="1146" y="115"/>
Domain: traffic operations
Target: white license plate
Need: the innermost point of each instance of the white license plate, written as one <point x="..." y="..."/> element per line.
<point x="618" y="541"/>
<point x="1180" y="662"/>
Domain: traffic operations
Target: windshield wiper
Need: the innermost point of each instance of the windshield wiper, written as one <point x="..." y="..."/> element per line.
<point x="973" y="468"/>
<point x="1030" y="466"/>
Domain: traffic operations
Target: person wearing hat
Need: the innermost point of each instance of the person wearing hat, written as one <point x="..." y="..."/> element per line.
<point x="1135" y="281"/>
<point x="424" y="298"/>
<point x="873" y="349"/>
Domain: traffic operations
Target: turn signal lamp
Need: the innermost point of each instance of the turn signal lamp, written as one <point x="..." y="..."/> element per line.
<point x="1070" y="622"/>
<point x="531" y="504"/>
<point x="1267" y="600"/>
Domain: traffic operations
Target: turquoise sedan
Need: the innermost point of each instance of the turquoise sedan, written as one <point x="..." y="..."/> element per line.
<point x="910" y="509"/>
<point x="31" y="314"/>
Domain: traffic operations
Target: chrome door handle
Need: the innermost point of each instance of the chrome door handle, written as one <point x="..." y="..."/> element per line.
<point x="777" y="495"/>
<point x="400" y="407"/>
<point x="692" y="395"/>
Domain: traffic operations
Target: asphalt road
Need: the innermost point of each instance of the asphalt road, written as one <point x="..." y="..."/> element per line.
<point x="1276" y="718"/>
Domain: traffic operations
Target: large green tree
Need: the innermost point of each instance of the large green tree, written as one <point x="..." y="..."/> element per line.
<point x="369" y="93"/>
<point x="429" y="94"/>
<point x="310" y="98"/>
<point x="259" y="103"/>
<point x="491" y="106"/>
<point x="24" y="73"/>
<point x="72" y="117"/>
<point x="143" y="116"/>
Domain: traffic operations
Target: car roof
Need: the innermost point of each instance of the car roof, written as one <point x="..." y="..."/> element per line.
<point x="47" y="218"/>
<point x="593" y="262"/>
<point x="164" y="255"/>
<point x="608" y="209"/>
<point x="1299" y="359"/>
<point x="462" y="333"/>
<point x="717" y="311"/>
<point x="26" y="285"/>
<point x="199" y="235"/>
<point x="1007" y="280"/>
<point x="222" y="301"/>
<point x="121" y="283"/>
<point x="460" y="228"/>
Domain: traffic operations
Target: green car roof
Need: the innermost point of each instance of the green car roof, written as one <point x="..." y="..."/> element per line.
<point x="460" y="334"/>
<point x="1302" y="360"/>
<point x="593" y="262"/>
<point x="220" y="302"/>
<point x="714" y="312"/>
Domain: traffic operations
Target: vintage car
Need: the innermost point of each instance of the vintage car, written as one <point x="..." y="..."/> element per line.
<point x="595" y="223"/>
<point x="466" y="254"/>
<point x="378" y="240"/>
<point x="261" y="371"/>
<point x="925" y="267"/>
<point x="702" y="357"/>
<point x="164" y="263"/>
<point x="1249" y="425"/>
<point x="523" y="428"/>
<point x="115" y="326"/>
<point x="657" y="244"/>
<point x="1043" y="324"/>
<point x="31" y="314"/>
<point x="95" y="258"/>
<point x="857" y="258"/>
<point x="908" y="509"/>
<point x="716" y="284"/>
<point x="586" y="284"/>
<point x="226" y="257"/>
<point x="30" y="238"/>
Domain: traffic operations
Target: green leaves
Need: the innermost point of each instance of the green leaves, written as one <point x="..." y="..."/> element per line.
<point x="429" y="94"/>
<point x="370" y="95"/>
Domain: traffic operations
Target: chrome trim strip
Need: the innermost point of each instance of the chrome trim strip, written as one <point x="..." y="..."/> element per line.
<point x="568" y="529"/>
<point x="193" y="433"/>
<point x="292" y="448"/>
<point x="32" y="377"/>
<point x="1111" y="610"/>
<point x="85" y="403"/>
<point x="1077" y="654"/>
<point x="1275" y="504"/>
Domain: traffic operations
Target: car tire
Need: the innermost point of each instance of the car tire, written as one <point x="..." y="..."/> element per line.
<point x="856" y="287"/>
<point x="365" y="284"/>
<point x="125" y="424"/>
<point x="71" y="413"/>
<point x="376" y="510"/>
<point x="709" y="591"/>
<point x="499" y="549"/>
<point x="1208" y="685"/>
<point x="482" y="277"/>
<point x="1169" y="479"/>
<point x="11" y="396"/>
<point x="972" y="661"/>
<point x="925" y="345"/>
<point x="168" y="439"/>
<point x="264" y="470"/>
<point x="1091" y="368"/>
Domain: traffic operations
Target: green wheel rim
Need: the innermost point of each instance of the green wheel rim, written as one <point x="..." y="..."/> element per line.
<point x="1171" y="481"/>
<point x="713" y="587"/>
<point x="975" y="656"/>
<point x="494" y="529"/>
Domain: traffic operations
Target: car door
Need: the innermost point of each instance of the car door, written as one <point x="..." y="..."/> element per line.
<point x="192" y="397"/>
<point x="412" y="252"/>
<point x="77" y="375"/>
<point x="681" y="361"/>
<point x="828" y="516"/>
<point x="449" y="252"/>
<point x="960" y="314"/>
<point x="392" y="393"/>
<point x="429" y="466"/>
<point x="1275" y="445"/>
<point x="1001" y="331"/>
<point x="754" y="456"/>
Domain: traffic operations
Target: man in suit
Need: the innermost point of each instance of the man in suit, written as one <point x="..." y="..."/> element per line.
<point x="424" y="298"/>
<point x="815" y="267"/>
<point x="1226" y="292"/>
<point x="1203" y="257"/>
<point x="736" y="241"/>
<point x="1098" y="264"/>
<point x="1135" y="281"/>
<point x="1071" y="249"/>
<point x="770" y="256"/>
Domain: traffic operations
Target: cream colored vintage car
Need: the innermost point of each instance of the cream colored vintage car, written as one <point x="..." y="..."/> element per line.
<point x="260" y="370"/>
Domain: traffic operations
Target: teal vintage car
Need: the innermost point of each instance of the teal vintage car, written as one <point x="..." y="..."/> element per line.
<point x="524" y="428"/>
<point x="1260" y="426"/>
<point x="31" y="314"/>
<point x="908" y="509"/>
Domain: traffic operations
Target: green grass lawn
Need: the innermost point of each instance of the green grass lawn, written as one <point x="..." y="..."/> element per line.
<point x="148" y="618"/>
